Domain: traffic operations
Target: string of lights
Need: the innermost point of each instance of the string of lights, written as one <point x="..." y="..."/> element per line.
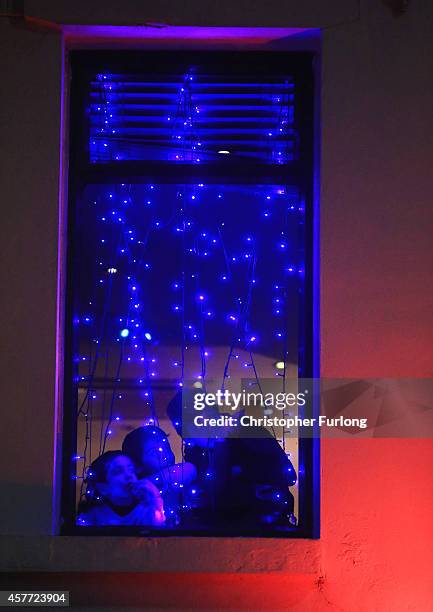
<point x="212" y="258"/>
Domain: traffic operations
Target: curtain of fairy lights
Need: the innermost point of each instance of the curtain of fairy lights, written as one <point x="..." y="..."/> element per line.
<point x="187" y="266"/>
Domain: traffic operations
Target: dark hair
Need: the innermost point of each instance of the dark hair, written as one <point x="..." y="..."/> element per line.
<point x="99" y="468"/>
<point x="98" y="471"/>
<point x="134" y="441"/>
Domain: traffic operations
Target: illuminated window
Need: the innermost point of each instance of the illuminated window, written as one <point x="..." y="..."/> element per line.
<point x="190" y="272"/>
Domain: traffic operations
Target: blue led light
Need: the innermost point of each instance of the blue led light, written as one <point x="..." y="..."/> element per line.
<point x="207" y="250"/>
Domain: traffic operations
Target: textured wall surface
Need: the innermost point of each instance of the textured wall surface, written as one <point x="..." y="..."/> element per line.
<point x="376" y="288"/>
<point x="30" y="65"/>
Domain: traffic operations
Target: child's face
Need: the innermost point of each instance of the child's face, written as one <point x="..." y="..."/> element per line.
<point x="120" y="475"/>
<point x="156" y="454"/>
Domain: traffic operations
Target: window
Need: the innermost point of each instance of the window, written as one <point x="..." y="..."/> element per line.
<point x="189" y="274"/>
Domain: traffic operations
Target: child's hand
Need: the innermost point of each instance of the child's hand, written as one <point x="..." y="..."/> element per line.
<point x="148" y="495"/>
<point x="144" y="490"/>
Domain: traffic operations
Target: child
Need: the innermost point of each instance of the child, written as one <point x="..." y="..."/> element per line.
<point x="116" y="497"/>
<point x="150" y="449"/>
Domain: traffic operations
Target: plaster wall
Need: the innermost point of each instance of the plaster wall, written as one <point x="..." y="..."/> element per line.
<point x="376" y="305"/>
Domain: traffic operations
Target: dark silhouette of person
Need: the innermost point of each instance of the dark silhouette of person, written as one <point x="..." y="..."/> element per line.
<point x="242" y="482"/>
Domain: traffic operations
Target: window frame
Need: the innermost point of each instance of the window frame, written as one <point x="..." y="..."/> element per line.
<point x="300" y="173"/>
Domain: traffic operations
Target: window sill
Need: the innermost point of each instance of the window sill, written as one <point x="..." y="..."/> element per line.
<point x="174" y="554"/>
